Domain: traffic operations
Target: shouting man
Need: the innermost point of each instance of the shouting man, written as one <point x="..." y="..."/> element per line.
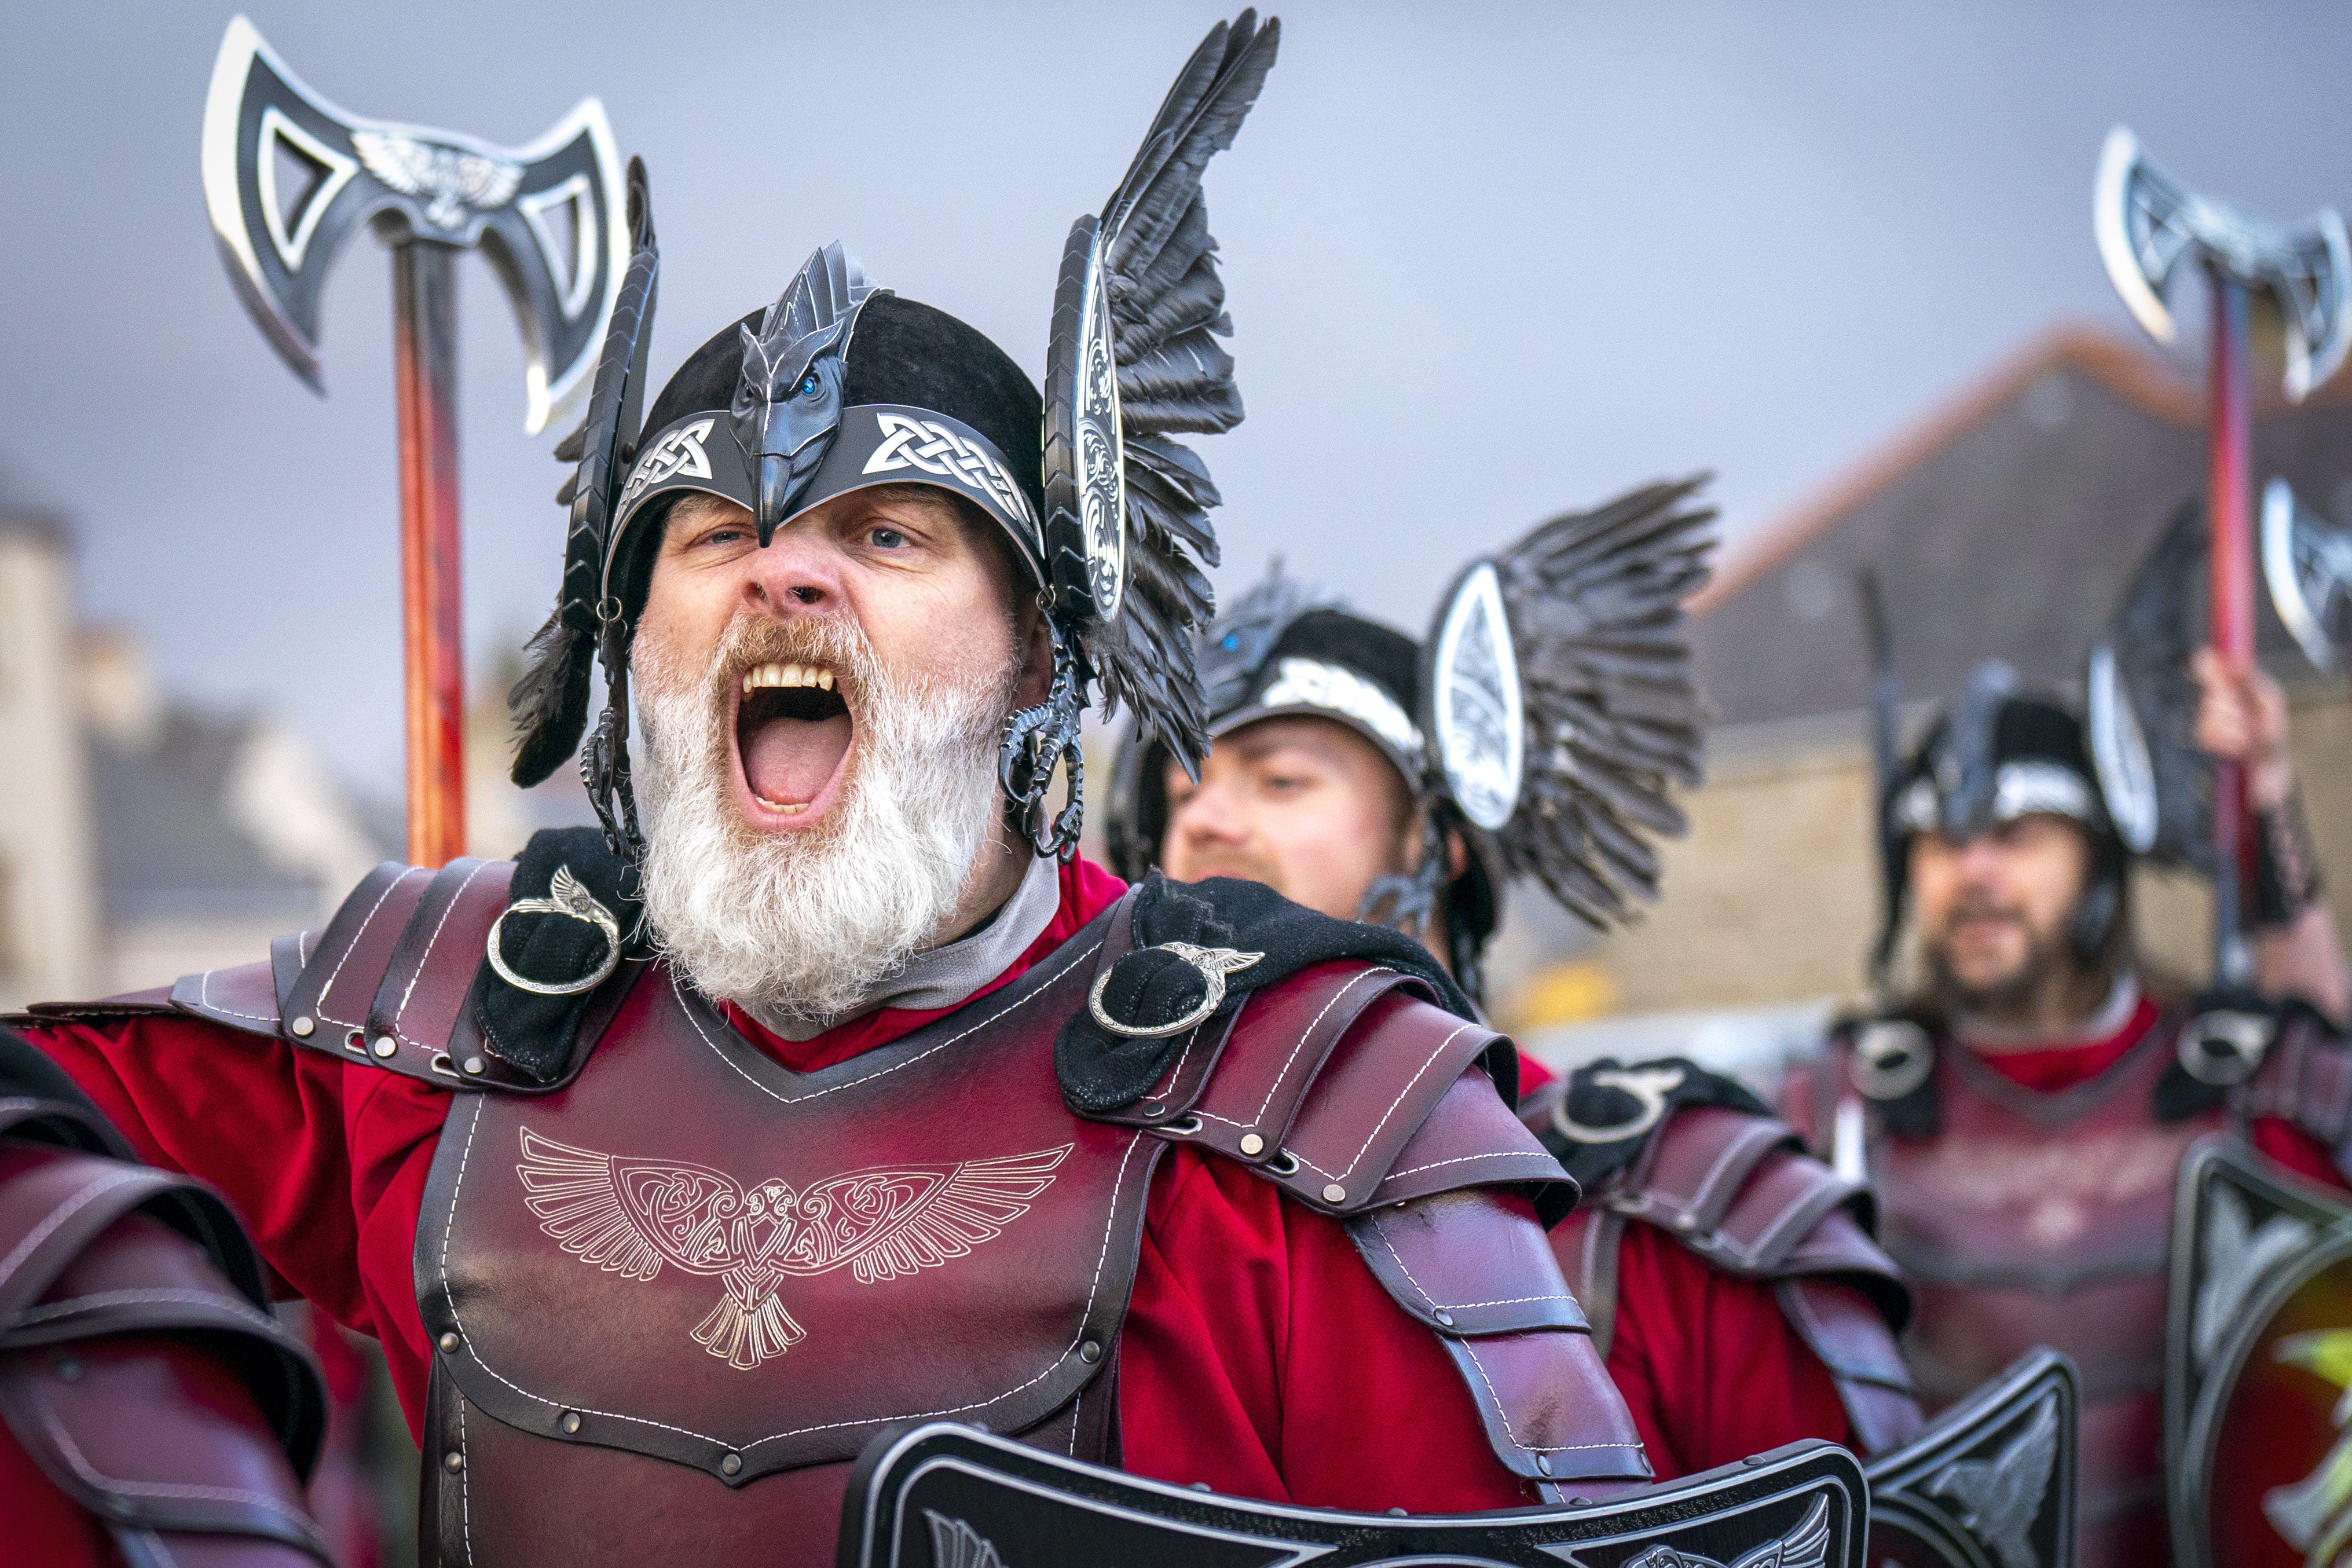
<point x="2022" y="1115"/>
<point x="1329" y="779"/>
<point x="823" y="1092"/>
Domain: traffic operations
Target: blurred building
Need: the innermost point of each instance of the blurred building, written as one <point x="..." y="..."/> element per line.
<point x="2005" y="523"/>
<point x="142" y="841"/>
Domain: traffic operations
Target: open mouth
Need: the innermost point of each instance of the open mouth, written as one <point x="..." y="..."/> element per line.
<point x="792" y="730"/>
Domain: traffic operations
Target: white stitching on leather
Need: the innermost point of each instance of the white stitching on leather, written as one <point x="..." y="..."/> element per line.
<point x="458" y="898"/>
<point x="1511" y="1432"/>
<point x="465" y="1479"/>
<point x="1047" y="985"/>
<point x="1391" y="1110"/>
<point x="1306" y="1035"/>
<point x="205" y="999"/>
<point x="65" y="1211"/>
<point x="1434" y="1303"/>
<point x="1094" y="1288"/>
<point x="1460" y="1160"/>
<point x="353" y="946"/>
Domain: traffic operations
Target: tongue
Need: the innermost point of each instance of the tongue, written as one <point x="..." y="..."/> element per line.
<point x="787" y="761"/>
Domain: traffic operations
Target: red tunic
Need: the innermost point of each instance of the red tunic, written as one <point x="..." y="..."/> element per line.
<point x="1259" y="1354"/>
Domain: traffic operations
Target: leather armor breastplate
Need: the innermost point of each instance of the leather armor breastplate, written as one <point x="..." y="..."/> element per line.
<point x="674" y="1299"/>
<point x="2043" y="1219"/>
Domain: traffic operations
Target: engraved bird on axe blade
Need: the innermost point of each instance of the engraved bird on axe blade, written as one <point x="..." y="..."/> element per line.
<point x="630" y="1216"/>
<point x="452" y="180"/>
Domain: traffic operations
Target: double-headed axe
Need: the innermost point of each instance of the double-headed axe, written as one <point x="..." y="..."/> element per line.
<point x="289" y="177"/>
<point x="2146" y="226"/>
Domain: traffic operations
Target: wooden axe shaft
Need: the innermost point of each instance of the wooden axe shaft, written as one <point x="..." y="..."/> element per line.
<point x="424" y="313"/>
<point x="2231" y="578"/>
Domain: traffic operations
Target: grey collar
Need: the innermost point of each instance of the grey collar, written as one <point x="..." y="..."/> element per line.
<point x="943" y="976"/>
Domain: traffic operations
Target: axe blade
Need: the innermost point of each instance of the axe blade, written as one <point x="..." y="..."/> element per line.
<point x="2307" y="564"/>
<point x="2146" y="223"/>
<point x="548" y="215"/>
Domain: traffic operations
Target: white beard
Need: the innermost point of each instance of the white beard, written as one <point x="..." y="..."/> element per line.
<point x="809" y="924"/>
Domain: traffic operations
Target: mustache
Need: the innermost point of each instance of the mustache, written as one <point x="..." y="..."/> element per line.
<point x="1979" y="907"/>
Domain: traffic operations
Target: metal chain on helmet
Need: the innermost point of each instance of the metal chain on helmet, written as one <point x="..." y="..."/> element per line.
<point x="604" y="761"/>
<point x="1037" y="739"/>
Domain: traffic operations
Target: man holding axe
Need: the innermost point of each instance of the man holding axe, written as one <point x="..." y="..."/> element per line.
<point x="2024" y="1107"/>
<point x="826" y="1089"/>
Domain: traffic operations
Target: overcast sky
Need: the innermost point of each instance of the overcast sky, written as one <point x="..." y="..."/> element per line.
<point x="1485" y="261"/>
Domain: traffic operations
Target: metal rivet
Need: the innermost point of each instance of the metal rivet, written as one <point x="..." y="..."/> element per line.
<point x="571" y="1421"/>
<point x="1543" y="1463"/>
<point x="473" y="1064"/>
<point x="1091" y="1352"/>
<point x="1155" y="1111"/>
<point x="1444" y="1318"/>
<point x="732" y="1465"/>
<point x="303" y="1025"/>
<point x="1753" y="1459"/>
<point x="385" y="1044"/>
<point x="449" y="1342"/>
<point x="1253" y="1144"/>
<point x="1335" y="1194"/>
<point x="1687" y="1222"/>
<point x="1579" y="1502"/>
<point x="1203" y="1486"/>
<point x="1397" y="1513"/>
<point x="453" y="1461"/>
<point x="70" y="1369"/>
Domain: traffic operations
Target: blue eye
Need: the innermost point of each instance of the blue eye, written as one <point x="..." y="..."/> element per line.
<point x="1233" y="640"/>
<point x="808" y="384"/>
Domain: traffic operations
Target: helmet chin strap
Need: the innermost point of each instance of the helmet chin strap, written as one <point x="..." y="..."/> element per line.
<point x="1035" y="740"/>
<point x="604" y="761"/>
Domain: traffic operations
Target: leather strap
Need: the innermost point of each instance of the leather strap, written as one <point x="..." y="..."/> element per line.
<point x="121" y="1345"/>
<point x="1738" y="1191"/>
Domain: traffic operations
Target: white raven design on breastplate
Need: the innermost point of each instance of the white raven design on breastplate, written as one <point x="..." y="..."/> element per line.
<point x="629" y="1216"/>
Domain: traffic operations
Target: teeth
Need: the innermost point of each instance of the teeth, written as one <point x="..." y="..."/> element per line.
<point x="787" y="675"/>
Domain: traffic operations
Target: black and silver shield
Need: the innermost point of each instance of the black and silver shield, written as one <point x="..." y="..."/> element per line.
<point x="945" y="1496"/>
<point x="2258" y="1366"/>
<point x="1990" y="1483"/>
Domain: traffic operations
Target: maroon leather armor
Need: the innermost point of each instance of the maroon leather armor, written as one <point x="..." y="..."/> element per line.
<point x="1740" y="1192"/>
<point x="2034" y="1219"/>
<point x="677" y="1291"/>
<point x="122" y="1342"/>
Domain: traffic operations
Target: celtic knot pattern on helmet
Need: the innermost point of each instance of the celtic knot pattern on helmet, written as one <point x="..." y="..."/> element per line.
<point x="934" y="448"/>
<point x="679" y="452"/>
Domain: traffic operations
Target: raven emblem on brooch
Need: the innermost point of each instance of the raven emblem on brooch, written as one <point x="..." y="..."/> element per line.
<point x="631" y="1216"/>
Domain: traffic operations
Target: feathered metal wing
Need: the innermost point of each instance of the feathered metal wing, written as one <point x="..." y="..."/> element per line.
<point x="1572" y="641"/>
<point x="549" y="703"/>
<point x="2141" y="690"/>
<point x="1133" y="362"/>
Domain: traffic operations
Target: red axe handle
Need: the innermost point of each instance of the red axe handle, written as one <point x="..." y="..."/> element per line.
<point x="2231" y="577"/>
<point x="425" y="315"/>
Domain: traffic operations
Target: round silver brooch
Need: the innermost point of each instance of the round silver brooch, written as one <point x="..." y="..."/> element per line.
<point x="565" y="896"/>
<point x="1648" y="1086"/>
<point x="1214" y="962"/>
